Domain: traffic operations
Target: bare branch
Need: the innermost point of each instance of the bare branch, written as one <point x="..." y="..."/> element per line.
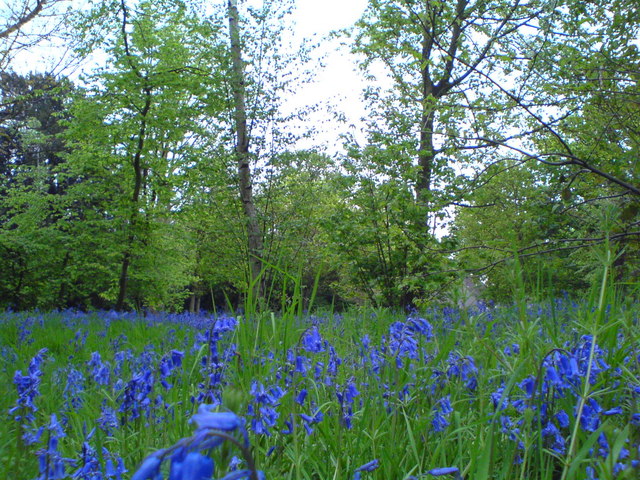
<point x="522" y="253"/>
<point x="26" y="16"/>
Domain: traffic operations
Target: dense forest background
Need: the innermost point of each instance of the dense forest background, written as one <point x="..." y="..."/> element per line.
<point x="501" y="142"/>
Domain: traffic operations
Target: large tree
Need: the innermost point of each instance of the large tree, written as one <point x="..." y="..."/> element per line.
<point x="135" y="134"/>
<point x="432" y="55"/>
<point x="574" y="86"/>
<point x="469" y="85"/>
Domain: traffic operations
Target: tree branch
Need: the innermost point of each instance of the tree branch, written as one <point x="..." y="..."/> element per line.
<point x="25" y="18"/>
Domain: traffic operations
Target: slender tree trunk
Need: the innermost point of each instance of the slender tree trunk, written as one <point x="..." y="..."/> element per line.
<point x="426" y="151"/>
<point x="254" y="235"/>
<point x="426" y="154"/>
<point x="62" y="291"/>
<point x="135" y="200"/>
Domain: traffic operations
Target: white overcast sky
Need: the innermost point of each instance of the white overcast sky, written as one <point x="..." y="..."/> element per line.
<point x="337" y="84"/>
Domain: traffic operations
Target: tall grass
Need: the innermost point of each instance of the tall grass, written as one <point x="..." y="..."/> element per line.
<point x="522" y="391"/>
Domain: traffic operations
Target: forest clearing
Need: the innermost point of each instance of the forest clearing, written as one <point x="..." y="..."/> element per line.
<point x="212" y="267"/>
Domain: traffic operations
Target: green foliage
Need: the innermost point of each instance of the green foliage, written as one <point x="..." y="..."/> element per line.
<point x="498" y="134"/>
<point x="144" y="117"/>
<point x="393" y="415"/>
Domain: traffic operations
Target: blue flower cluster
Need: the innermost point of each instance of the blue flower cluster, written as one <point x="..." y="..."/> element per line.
<point x="316" y="386"/>
<point x="187" y="462"/>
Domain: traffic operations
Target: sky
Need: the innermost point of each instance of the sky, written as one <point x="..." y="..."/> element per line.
<point x="337" y="84"/>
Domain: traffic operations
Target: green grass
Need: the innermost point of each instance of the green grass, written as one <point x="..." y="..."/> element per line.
<point x="392" y="415"/>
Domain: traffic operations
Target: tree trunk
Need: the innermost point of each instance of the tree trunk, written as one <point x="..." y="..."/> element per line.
<point x="135" y="199"/>
<point x="254" y="235"/>
<point x="426" y="154"/>
<point x="426" y="151"/>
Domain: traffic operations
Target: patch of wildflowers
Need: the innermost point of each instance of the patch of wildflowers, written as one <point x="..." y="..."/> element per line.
<point x="52" y="466"/>
<point x="28" y="389"/>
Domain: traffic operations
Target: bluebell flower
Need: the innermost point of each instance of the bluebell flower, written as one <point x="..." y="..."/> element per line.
<point x="113" y="465"/>
<point x="100" y="371"/>
<point x="150" y="469"/>
<point x="302" y="395"/>
<point x="613" y="411"/>
<point x="264" y="396"/>
<point x="194" y="466"/>
<point x="235" y="463"/>
<point x="73" y="389"/>
<point x="187" y="463"/>
<point x="421" y="326"/>
<point x="52" y="466"/>
<point x="603" y="443"/>
<point x="90" y="468"/>
<point x="225" y="421"/>
<point x="563" y="419"/>
<point x="288" y="426"/>
<point x="438" y="472"/>
<point x="367" y="467"/>
<point x="402" y="343"/>
<point x="558" y="443"/>
<point x="266" y="420"/>
<point x="176" y="357"/>
<point x="28" y="389"/>
<point x="590" y="419"/>
<point x="498" y="399"/>
<point x="301" y="365"/>
<point x="135" y="401"/>
<point x="243" y="474"/>
<point x="439" y="422"/>
<point x="442" y="409"/>
<point x="528" y="385"/>
<point x="312" y="340"/>
<point x="463" y="368"/>
<point x="334" y="362"/>
<point x="310" y="420"/>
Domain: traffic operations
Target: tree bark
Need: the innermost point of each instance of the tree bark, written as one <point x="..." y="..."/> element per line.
<point x="135" y="200"/>
<point x="254" y="235"/>
<point x="25" y="18"/>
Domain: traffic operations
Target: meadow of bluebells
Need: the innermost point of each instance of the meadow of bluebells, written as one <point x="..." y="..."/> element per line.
<point x="489" y="393"/>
